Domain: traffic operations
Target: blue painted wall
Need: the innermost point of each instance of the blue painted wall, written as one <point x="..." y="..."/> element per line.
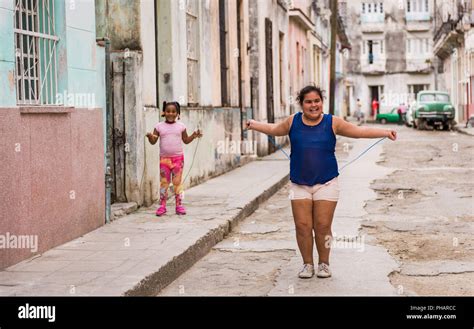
<point x="81" y="63"/>
<point x="7" y="54"/>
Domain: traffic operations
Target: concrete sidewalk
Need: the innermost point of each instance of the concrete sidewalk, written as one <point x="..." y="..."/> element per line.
<point x="464" y="130"/>
<point x="140" y="253"/>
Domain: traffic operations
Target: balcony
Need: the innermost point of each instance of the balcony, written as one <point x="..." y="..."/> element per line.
<point x="301" y="18"/>
<point x="377" y="67"/>
<point x="372" y="18"/>
<point x="418" y="16"/>
<point x="419" y="65"/>
<point x="373" y="22"/>
<point x="448" y="35"/>
<point x="418" y="21"/>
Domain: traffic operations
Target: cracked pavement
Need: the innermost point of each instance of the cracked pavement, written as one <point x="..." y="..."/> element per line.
<point x="409" y="201"/>
<point x="260" y="256"/>
<point x="424" y="212"/>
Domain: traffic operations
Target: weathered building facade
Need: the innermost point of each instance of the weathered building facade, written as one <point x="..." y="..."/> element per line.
<point x="51" y="120"/>
<point x="309" y="49"/>
<point x="391" y="57"/>
<point x="269" y="73"/>
<point x="194" y="52"/>
<point x="454" y="47"/>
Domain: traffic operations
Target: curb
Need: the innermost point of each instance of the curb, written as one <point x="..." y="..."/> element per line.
<point x="462" y="131"/>
<point x="155" y="282"/>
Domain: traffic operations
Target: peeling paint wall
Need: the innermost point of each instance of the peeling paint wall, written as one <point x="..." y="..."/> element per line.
<point x="392" y="69"/>
<point x="221" y="126"/>
<point x="61" y="149"/>
<point x="259" y="10"/>
<point x="130" y="26"/>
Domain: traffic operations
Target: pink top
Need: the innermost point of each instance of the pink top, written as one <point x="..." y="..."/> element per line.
<point x="171" y="142"/>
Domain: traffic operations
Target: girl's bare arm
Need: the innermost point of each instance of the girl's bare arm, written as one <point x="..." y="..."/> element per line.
<point x="153" y="137"/>
<point x="188" y="139"/>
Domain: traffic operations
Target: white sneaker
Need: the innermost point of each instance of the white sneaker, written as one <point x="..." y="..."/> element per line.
<point x="307" y="271"/>
<point x="323" y="271"/>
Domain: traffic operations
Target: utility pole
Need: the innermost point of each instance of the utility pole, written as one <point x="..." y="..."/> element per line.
<point x="332" y="71"/>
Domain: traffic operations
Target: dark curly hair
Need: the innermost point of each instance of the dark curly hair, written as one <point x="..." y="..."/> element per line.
<point x="307" y="90"/>
<point x="176" y="105"/>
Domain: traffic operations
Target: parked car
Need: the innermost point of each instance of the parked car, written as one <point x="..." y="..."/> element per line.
<point x="433" y="109"/>
<point x="391" y="116"/>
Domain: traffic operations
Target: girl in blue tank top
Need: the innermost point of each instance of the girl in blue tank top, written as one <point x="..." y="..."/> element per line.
<point x="314" y="189"/>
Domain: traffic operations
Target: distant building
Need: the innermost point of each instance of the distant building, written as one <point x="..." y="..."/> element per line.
<point x="392" y="51"/>
<point x="454" y="47"/>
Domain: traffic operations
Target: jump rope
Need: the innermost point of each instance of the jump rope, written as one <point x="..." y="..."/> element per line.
<point x="272" y="140"/>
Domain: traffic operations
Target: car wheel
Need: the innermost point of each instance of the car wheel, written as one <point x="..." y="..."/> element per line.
<point x="448" y="125"/>
<point x="420" y="125"/>
<point x="383" y="121"/>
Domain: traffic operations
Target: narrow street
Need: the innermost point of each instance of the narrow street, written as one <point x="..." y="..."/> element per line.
<point x="422" y="214"/>
<point x="411" y="235"/>
<point x="146" y="153"/>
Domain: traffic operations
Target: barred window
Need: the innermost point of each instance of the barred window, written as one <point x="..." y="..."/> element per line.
<point x="35" y="56"/>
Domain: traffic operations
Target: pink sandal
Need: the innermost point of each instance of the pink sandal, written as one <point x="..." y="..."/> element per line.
<point x="161" y="211"/>
<point x="180" y="210"/>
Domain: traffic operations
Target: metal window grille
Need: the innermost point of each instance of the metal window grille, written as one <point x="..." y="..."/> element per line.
<point x="35" y="55"/>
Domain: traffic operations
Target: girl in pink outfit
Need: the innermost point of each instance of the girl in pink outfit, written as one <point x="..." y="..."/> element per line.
<point x="173" y="134"/>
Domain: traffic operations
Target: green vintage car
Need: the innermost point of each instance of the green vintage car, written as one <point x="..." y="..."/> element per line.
<point x="391" y="116"/>
<point x="433" y="109"/>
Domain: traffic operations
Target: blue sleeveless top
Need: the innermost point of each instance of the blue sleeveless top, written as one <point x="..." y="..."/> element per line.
<point x="313" y="159"/>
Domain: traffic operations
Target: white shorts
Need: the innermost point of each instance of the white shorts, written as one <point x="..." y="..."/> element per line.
<point x="328" y="191"/>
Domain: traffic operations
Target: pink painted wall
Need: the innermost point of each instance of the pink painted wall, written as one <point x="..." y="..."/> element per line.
<point x="298" y="34"/>
<point x="46" y="158"/>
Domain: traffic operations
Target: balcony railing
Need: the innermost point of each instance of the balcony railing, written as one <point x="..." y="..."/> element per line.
<point x="372" y="18"/>
<point x="418" y="64"/>
<point x="418" y="16"/>
<point x="374" y="66"/>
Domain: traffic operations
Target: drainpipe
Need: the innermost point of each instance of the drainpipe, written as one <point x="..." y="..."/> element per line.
<point x="155" y="15"/>
<point x="108" y="129"/>
<point x="239" y="43"/>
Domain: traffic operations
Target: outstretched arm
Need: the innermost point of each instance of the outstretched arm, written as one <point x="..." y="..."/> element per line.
<point x="273" y="129"/>
<point x="348" y="129"/>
